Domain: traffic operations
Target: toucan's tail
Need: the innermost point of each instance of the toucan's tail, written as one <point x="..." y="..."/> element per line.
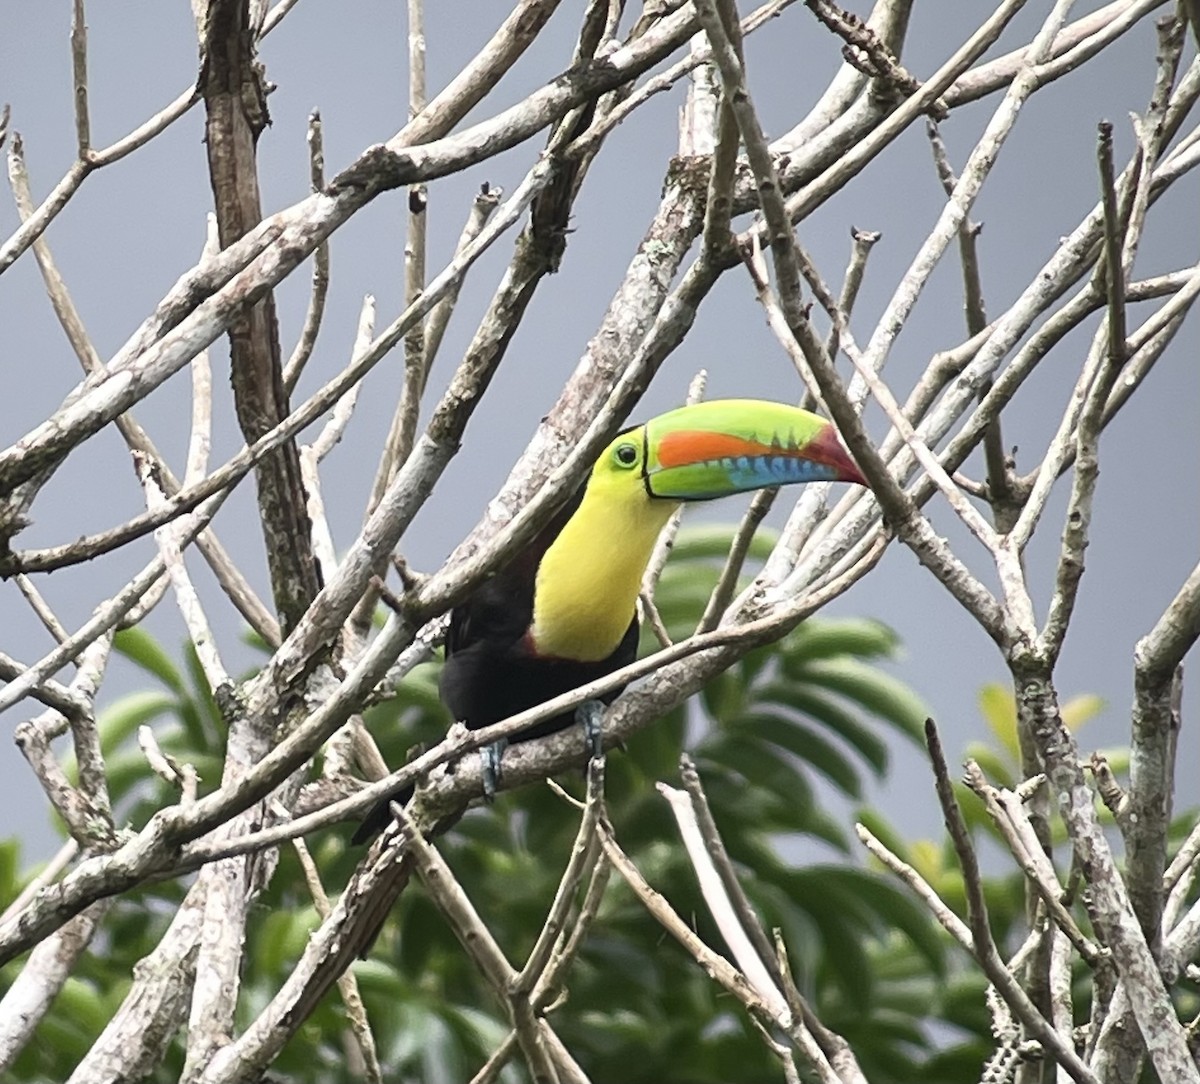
<point x="379" y="817"/>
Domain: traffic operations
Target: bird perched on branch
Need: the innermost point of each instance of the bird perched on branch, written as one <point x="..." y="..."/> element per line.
<point x="564" y="611"/>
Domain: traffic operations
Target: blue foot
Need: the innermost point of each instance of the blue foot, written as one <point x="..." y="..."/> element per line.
<point x="490" y="755"/>
<point x="590" y="713"/>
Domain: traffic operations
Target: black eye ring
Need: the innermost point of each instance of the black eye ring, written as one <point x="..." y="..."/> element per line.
<point x="626" y="455"/>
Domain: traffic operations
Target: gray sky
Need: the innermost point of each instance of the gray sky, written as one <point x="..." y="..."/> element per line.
<point x="136" y="226"/>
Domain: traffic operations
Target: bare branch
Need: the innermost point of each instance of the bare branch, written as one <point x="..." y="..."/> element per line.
<point x="1010" y="818"/>
<point x="35" y="224"/>
<point x="718" y="968"/>
<point x="50" y="964"/>
<point x="295" y="744"/>
<point x="584" y="855"/>
<point x="320" y="273"/>
<point x="984" y="948"/>
<point x="483" y="206"/>
<point x="729" y="921"/>
<point x="83" y="125"/>
<point x="236" y="114"/>
<point x="543" y="1050"/>
<point x="726" y="585"/>
<point x="862" y="243"/>
<point x="1107" y="899"/>
<point x="347" y="983"/>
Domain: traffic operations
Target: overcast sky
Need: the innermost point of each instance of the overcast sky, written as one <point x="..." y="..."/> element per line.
<point x="136" y="226"/>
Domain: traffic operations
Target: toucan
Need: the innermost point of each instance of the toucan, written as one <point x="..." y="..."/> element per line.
<point x="564" y="611"/>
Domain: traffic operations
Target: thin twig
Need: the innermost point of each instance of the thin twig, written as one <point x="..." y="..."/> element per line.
<point x="948" y="920"/>
<point x="40" y="607"/>
<point x="726" y="585"/>
<point x="356" y="1011"/>
<point x="35" y="225"/>
<point x="1010" y="819"/>
<point x="725" y="896"/>
<point x="719" y="203"/>
<point x="190" y="607"/>
<point x="83" y="126"/>
<point x="320" y="273"/>
<point x="584" y="854"/>
<point x="542" y="1049"/>
<point x="483" y="206"/>
<point x="984" y="947"/>
<point x="415" y="372"/>
<point x="862" y="241"/>
<point x="312" y="408"/>
<point x="717" y="967"/>
<point x="999" y="469"/>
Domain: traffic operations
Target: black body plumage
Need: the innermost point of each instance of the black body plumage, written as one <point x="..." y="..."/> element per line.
<point x="492" y="671"/>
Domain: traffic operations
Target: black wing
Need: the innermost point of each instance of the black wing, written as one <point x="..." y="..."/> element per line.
<point x="483" y="641"/>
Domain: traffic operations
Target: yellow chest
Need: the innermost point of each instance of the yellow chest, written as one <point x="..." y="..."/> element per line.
<point x="588" y="581"/>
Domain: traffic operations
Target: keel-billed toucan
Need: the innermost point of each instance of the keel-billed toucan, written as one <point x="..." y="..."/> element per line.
<point x="564" y="611"/>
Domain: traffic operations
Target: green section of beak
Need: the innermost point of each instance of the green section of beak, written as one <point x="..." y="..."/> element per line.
<point x="726" y="446"/>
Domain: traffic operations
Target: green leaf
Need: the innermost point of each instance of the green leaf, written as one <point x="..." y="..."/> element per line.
<point x="999" y="710"/>
<point x="281" y="936"/>
<point x="826" y="638"/>
<point x="823" y="709"/>
<point x="724" y="695"/>
<point x="79" y="1002"/>
<point x="822" y="825"/>
<point x="118" y="721"/>
<point x="894" y="908"/>
<point x="839" y="918"/>
<point x="1081" y="709"/>
<point x="699" y="541"/>
<point x="681" y="597"/>
<point x="761" y="766"/>
<point x="654" y="751"/>
<point x="754" y="662"/>
<point x="754" y="804"/>
<point x="141" y="648"/>
<point x="884" y="696"/>
<point x="803" y="742"/>
<point x="859" y="735"/>
<point x="10" y="863"/>
<point x="927" y="857"/>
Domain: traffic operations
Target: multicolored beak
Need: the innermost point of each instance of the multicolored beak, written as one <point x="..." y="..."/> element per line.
<point x="715" y="449"/>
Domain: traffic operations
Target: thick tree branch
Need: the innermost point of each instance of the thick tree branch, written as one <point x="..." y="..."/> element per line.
<point x="234" y="91"/>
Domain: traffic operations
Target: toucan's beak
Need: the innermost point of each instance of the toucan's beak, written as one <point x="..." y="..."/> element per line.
<point x="726" y="446"/>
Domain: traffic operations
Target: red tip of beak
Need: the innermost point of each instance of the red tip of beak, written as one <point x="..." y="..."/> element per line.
<point x="827" y="448"/>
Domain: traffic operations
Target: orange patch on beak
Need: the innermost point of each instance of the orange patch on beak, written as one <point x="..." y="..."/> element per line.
<point x="698" y="446"/>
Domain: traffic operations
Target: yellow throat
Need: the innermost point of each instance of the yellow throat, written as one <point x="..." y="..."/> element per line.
<point x="588" y="581"/>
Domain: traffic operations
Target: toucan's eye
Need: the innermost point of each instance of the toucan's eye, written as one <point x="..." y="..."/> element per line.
<point x="626" y="454"/>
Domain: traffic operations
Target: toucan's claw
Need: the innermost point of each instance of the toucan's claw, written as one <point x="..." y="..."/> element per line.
<point x="591" y="714"/>
<point x="490" y="755"/>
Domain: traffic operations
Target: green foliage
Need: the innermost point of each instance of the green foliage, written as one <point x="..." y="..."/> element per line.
<point x="184" y="717"/>
<point x="960" y="1000"/>
<point x="809" y="716"/>
<point x="187" y="725"/>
